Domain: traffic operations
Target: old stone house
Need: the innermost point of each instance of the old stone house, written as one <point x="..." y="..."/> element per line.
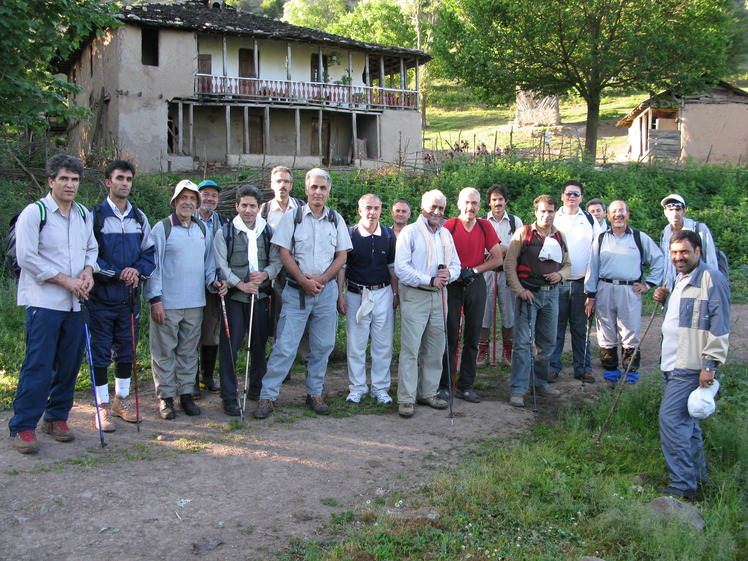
<point x="711" y="126"/>
<point x="179" y="85"/>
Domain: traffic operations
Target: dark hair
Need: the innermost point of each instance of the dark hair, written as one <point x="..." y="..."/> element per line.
<point x="124" y="165"/>
<point x="547" y="199"/>
<point x="248" y="191"/>
<point x="63" y="161"/>
<point x="575" y="183"/>
<point x="592" y="202"/>
<point x="496" y="188"/>
<point x="687" y="235"/>
<point x="402" y="201"/>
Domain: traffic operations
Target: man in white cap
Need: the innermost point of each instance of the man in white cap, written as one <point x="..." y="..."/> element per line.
<point x="675" y="212"/>
<point x="176" y="292"/>
<point x="695" y="334"/>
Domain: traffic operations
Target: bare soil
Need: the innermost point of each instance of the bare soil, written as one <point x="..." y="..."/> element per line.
<point x="205" y="486"/>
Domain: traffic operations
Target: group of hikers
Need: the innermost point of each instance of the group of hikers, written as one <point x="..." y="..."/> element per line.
<point x="286" y="268"/>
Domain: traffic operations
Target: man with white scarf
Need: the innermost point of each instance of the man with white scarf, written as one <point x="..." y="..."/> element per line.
<point x="248" y="262"/>
<point x="367" y="296"/>
<point x="425" y="262"/>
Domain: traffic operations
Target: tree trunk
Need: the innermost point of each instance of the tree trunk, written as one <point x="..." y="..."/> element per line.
<point x="593" y="120"/>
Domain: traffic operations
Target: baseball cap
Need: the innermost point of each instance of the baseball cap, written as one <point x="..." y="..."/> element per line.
<point x="673" y="199"/>
<point x="701" y="401"/>
<point x="208" y="183"/>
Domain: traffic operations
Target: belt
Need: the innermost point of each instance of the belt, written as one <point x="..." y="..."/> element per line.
<point x="359" y="288"/>
<point x="499" y="269"/>
<point x="616" y="281"/>
<point x="426" y="289"/>
<point x="293" y="284"/>
<point x="544" y="288"/>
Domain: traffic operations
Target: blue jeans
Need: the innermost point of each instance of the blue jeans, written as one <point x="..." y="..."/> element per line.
<point x="680" y="434"/>
<point x="46" y="383"/>
<point x="538" y="318"/>
<point x="571" y="299"/>
<point x="321" y="312"/>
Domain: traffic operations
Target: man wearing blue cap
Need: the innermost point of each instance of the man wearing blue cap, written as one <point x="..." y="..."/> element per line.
<point x="213" y="221"/>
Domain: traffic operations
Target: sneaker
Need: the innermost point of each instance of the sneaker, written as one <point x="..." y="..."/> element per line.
<point x="517" y="400"/>
<point x="104" y="415"/>
<point x="587" y="377"/>
<point x="433" y="401"/>
<point x="124" y="408"/>
<point x="25" y="442"/>
<point x="317" y="404"/>
<point x="552" y="376"/>
<point x="187" y="401"/>
<point x="209" y="385"/>
<point x="166" y="409"/>
<point x="482" y="359"/>
<point x="443" y="393"/>
<point x="468" y="395"/>
<point x="58" y="430"/>
<point x="546" y="392"/>
<point x="231" y="408"/>
<point x="384" y="398"/>
<point x="264" y="408"/>
<point x="354" y="397"/>
<point x="406" y="410"/>
<point x="508" y="346"/>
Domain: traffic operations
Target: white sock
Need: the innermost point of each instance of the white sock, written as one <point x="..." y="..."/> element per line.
<point x="102" y="394"/>
<point x="122" y="387"/>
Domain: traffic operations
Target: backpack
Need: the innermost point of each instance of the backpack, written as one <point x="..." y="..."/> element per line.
<point x="167" y="226"/>
<point x="512" y="224"/>
<point x="480" y="223"/>
<point x="637" y="241"/>
<point x="229" y="234"/>
<point x="723" y="264"/>
<point x="265" y="208"/>
<point x="590" y="218"/>
<point x="11" y="261"/>
<point x="524" y="271"/>
<point x="332" y="216"/>
<point x="98" y="220"/>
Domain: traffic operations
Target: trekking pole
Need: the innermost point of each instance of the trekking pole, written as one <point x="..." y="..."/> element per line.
<point x="134" y="357"/>
<point x="586" y="347"/>
<point x="84" y="309"/>
<point x="495" y="296"/>
<point x="622" y="381"/>
<point x="453" y="382"/>
<point x="249" y="344"/>
<point x="532" y="357"/>
<point x="448" y="360"/>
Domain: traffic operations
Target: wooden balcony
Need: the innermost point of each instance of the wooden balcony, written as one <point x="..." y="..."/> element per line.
<point x="304" y="93"/>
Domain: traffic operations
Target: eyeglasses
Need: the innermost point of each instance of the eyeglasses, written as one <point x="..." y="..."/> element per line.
<point x="573" y="194"/>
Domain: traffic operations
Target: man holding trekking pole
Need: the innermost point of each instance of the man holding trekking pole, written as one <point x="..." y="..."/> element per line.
<point x="126" y="256"/>
<point x="536" y="262"/>
<point x="56" y="251"/>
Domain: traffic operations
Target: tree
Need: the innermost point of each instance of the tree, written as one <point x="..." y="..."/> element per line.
<point x="376" y="21"/>
<point x="588" y="46"/>
<point x="317" y="14"/>
<point x="32" y="34"/>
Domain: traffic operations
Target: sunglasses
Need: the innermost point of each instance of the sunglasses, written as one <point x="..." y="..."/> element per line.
<point x="573" y="194"/>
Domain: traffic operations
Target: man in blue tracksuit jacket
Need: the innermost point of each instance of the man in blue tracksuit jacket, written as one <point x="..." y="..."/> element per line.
<point x="126" y="256"/>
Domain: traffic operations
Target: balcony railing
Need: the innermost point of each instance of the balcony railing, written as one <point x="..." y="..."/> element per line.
<point x="285" y="91"/>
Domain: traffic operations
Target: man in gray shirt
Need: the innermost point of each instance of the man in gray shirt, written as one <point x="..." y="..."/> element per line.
<point x="313" y="242"/>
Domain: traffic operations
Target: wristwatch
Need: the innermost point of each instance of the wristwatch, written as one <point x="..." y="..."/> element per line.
<point x="475" y="270"/>
<point x="710" y="369"/>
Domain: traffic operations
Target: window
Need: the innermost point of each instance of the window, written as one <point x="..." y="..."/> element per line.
<point x="149" y="55"/>
<point x="247" y="63"/>
<point x="316" y="76"/>
<point x="204" y="64"/>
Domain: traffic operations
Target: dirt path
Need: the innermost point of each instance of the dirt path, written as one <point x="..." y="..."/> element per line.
<point x="153" y="494"/>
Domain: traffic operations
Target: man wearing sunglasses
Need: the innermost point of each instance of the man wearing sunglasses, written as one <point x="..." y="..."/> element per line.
<point x="580" y="229"/>
<point x="675" y="212"/>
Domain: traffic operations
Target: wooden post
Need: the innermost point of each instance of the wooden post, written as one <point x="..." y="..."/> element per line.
<point x="266" y="139"/>
<point x="228" y="130"/>
<point x="297" y="127"/>
<point x="246" y="130"/>
<point x="180" y="116"/>
<point x="192" y="129"/>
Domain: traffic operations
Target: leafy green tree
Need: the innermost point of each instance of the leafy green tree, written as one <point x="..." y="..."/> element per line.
<point x="587" y="46"/>
<point x="318" y="14"/>
<point x="32" y="34"/>
<point x="376" y="21"/>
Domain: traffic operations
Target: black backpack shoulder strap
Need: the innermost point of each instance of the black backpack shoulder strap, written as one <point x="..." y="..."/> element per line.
<point x="590" y="218"/>
<point x="166" y="222"/>
<point x="228" y="235"/>
<point x="482" y="227"/>
<point x="512" y="225"/>
<point x="264" y="210"/>
<point x="638" y="242"/>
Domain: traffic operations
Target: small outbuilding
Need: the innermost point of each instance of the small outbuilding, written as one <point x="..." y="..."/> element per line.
<point x="711" y="126"/>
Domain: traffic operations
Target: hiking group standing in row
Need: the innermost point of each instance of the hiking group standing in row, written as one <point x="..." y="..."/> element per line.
<point x="287" y="268"/>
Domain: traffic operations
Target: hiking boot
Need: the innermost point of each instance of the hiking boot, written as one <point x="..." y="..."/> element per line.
<point x="264" y="408"/>
<point x="468" y="395"/>
<point x="317" y="404"/>
<point x="586" y="377"/>
<point x="196" y="393"/>
<point x="25" y="442"/>
<point x="406" y="410"/>
<point x="508" y="346"/>
<point x="209" y="385"/>
<point x="552" y="376"/>
<point x="166" y="409"/>
<point x="188" y="405"/>
<point x="355" y="397"/>
<point x="124" y="408"/>
<point x="104" y="416"/>
<point x="58" y="430"/>
<point x="433" y="401"/>
<point x="443" y="393"/>
<point x="383" y="398"/>
<point x="517" y="400"/>
<point x="675" y="492"/>
<point x="546" y="392"/>
<point x="231" y="408"/>
<point x="482" y="359"/>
